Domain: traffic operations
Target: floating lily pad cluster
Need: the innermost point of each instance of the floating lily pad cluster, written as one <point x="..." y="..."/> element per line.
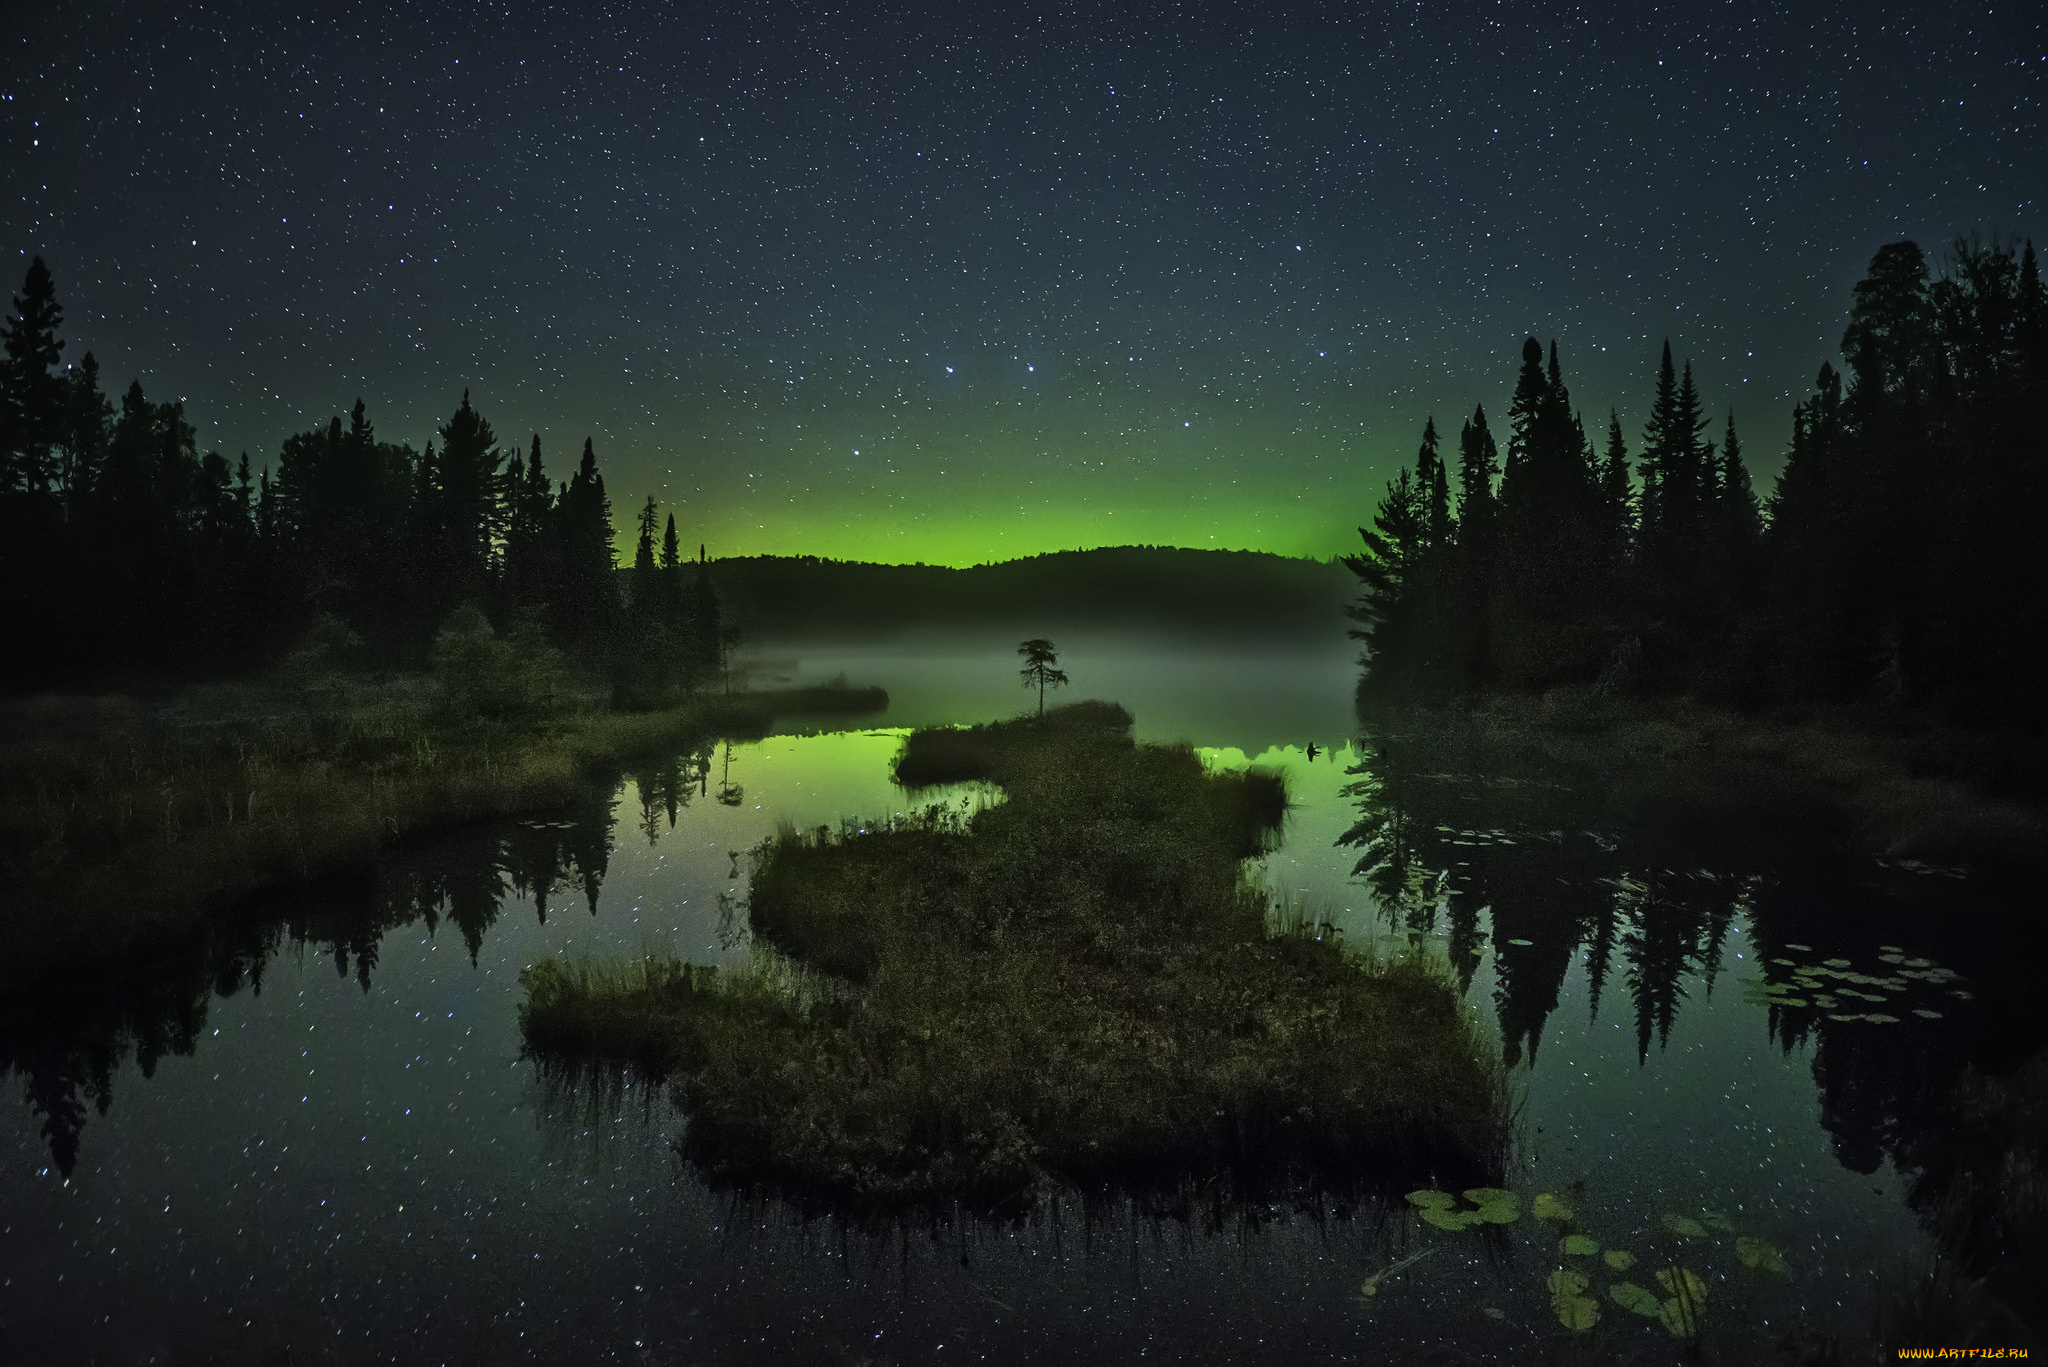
<point x="1843" y="993"/>
<point x="1678" y="1303"/>
<point x="1489" y="1206"/>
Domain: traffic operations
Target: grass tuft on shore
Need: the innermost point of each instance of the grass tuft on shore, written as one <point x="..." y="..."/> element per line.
<point x="1078" y="985"/>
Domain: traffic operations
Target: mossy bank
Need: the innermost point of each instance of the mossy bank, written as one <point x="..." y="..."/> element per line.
<point x="125" y="827"/>
<point x="1075" y="986"/>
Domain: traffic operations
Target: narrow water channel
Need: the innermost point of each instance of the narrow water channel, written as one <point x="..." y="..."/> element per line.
<point x="316" y="1140"/>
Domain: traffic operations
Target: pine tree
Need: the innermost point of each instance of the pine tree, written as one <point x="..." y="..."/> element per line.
<point x="1617" y="496"/>
<point x="1433" y="488"/>
<point x="31" y="395"/>
<point x="587" y="603"/>
<point x="1478" y="464"/>
<point x="1525" y="420"/>
<point x="531" y="561"/>
<point x="646" y="594"/>
<point x="1889" y="341"/>
<point x="1388" y="571"/>
<point x="672" y="589"/>
<point x="1551" y="596"/>
<point x="1687" y="482"/>
<point x="469" y="501"/>
<point x="1660" y="440"/>
<point x="709" y="634"/>
<point x="2030" y="324"/>
<point x="1734" y="493"/>
<point x="1473" y="575"/>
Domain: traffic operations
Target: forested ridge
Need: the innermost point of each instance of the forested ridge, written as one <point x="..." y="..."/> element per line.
<point x="1123" y="588"/>
<point x="125" y="553"/>
<point x="1900" y="557"/>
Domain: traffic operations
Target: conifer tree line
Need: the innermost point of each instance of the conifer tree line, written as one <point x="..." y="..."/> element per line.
<point x="1902" y="556"/>
<point x="124" y="552"/>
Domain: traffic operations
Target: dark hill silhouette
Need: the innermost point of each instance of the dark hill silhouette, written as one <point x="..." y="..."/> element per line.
<point x="1161" y="588"/>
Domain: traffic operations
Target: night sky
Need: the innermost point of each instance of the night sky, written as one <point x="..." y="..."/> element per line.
<point x="977" y="281"/>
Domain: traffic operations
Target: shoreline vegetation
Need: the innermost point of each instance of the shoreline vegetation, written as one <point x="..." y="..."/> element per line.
<point x="1076" y="987"/>
<point x="1870" y="633"/>
<point x="124" y="828"/>
<point x="1900" y="786"/>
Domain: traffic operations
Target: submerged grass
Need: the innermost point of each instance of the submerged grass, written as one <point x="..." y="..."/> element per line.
<point x="123" y="827"/>
<point x="1075" y="986"/>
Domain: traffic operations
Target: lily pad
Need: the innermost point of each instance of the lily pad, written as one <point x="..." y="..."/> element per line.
<point x="1521" y="942"/>
<point x="1432" y="1200"/>
<point x="1579" y="1246"/>
<point x="1717" y="1221"/>
<point x="1682" y="1318"/>
<point x="1566" y="1282"/>
<point x="1548" y="1207"/>
<point x="1757" y="1254"/>
<point x="1790" y="1001"/>
<point x="1486" y="1196"/>
<point x="1499" y="1212"/>
<point x="1685" y="1226"/>
<point x="1683" y="1283"/>
<point x="1452" y="1220"/>
<point x="1924" y="1014"/>
<point x="1836" y="963"/>
<point x="1640" y="1299"/>
<point x="1576" y="1313"/>
<point x="1620" y="1259"/>
<point x="1370" y="1288"/>
<point x="1880" y="1018"/>
<point x="1803" y="949"/>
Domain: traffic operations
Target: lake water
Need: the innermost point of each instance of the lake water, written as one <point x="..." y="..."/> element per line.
<point x="315" y="1139"/>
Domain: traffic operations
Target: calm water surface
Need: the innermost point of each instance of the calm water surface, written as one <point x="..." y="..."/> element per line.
<point x="317" y="1137"/>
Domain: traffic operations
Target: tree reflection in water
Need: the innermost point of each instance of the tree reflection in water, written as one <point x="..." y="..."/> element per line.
<point x="68" y="1042"/>
<point x="1544" y="870"/>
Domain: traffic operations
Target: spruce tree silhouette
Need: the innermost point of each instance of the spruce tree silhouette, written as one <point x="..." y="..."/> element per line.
<point x="31" y="396"/>
<point x="1041" y="668"/>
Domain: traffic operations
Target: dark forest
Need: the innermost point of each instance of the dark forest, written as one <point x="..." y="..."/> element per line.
<point x="1899" y="558"/>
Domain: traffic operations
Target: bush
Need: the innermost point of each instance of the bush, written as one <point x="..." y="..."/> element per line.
<point x="482" y="675"/>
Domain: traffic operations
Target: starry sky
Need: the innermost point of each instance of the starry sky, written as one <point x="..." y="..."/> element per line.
<point x="965" y="282"/>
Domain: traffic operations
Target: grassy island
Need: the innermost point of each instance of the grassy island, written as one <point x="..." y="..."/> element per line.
<point x="123" y="827"/>
<point x="1075" y="986"/>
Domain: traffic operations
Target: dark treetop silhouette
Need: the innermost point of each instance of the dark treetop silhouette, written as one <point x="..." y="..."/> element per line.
<point x="1899" y="558"/>
<point x="124" y="552"/>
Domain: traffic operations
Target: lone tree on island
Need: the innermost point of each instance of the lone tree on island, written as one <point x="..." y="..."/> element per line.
<point x="1041" y="668"/>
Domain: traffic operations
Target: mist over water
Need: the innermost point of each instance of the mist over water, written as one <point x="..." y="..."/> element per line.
<point x="318" y="1133"/>
<point x="1216" y="691"/>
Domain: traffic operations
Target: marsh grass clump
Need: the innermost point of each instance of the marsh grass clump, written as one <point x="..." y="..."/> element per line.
<point x="1075" y="986"/>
